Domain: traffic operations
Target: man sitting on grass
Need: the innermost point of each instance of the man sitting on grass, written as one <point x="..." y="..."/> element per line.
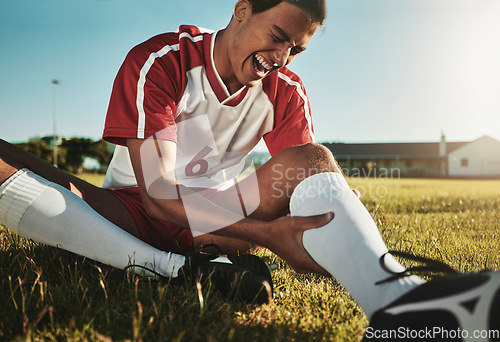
<point x="185" y="110"/>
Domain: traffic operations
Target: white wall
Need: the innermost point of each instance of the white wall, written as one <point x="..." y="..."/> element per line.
<point x="478" y="158"/>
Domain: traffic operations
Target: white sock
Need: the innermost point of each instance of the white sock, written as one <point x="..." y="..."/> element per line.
<point x="46" y="212"/>
<point x="348" y="247"/>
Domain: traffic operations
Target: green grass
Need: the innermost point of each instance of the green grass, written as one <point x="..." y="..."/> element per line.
<point x="49" y="294"/>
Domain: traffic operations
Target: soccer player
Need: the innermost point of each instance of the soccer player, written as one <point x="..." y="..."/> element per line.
<point x="185" y="110"/>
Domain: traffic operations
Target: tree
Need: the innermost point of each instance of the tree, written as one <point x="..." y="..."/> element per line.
<point x="42" y="150"/>
<point x="76" y="150"/>
<point x="71" y="152"/>
<point x="102" y="151"/>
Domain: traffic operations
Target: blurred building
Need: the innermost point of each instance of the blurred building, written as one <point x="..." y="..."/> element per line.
<point x="478" y="158"/>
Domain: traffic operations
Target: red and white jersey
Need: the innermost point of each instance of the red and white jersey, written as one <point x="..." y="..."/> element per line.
<point x="168" y="88"/>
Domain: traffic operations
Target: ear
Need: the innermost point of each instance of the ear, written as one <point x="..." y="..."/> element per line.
<point x="242" y="10"/>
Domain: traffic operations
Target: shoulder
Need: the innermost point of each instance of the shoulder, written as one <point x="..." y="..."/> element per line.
<point x="283" y="85"/>
<point x="288" y="76"/>
<point x="187" y="40"/>
<point x="193" y="33"/>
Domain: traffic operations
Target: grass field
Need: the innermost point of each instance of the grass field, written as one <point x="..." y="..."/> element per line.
<point x="49" y="294"/>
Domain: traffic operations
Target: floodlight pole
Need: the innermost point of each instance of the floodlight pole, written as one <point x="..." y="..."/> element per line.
<point x="54" y="124"/>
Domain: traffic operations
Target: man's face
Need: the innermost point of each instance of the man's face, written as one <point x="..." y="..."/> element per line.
<point x="266" y="41"/>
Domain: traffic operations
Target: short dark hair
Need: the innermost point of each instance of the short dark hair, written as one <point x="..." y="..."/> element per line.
<point x="316" y="9"/>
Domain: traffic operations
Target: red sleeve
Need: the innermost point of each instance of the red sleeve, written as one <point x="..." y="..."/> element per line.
<point x="293" y="124"/>
<point x="143" y="99"/>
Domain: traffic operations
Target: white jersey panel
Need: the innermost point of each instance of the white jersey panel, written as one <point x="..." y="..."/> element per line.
<point x="120" y="173"/>
<point x="212" y="137"/>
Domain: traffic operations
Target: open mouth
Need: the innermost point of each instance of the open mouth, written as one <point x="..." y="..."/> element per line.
<point x="260" y="65"/>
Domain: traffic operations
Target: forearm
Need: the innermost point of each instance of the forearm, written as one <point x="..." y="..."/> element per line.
<point x="165" y="199"/>
<point x="192" y="210"/>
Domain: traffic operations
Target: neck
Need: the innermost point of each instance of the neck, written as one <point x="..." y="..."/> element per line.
<point x="223" y="63"/>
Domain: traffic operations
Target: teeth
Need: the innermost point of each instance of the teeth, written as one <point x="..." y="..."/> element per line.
<point x="262" y="62"/>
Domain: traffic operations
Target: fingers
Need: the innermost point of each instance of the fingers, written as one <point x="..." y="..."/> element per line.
<point x="290" y="246"/>
<point x="316" y="221"/>
<point x="307" y="264"/>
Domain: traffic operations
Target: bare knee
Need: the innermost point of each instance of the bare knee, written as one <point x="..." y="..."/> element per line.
<point x="315" y="157"/>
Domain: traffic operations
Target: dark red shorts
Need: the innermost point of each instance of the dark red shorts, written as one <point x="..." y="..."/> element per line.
<point x="157" y="233"/>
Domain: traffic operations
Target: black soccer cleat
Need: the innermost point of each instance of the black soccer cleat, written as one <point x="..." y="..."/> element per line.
<point x="455" y="307"/>
<point x="246" y="277"/>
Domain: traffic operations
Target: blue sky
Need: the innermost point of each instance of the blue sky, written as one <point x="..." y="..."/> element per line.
<point x="380" y="70"/>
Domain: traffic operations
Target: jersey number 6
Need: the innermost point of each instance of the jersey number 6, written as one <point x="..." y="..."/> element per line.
<point x="192" y="169"/>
